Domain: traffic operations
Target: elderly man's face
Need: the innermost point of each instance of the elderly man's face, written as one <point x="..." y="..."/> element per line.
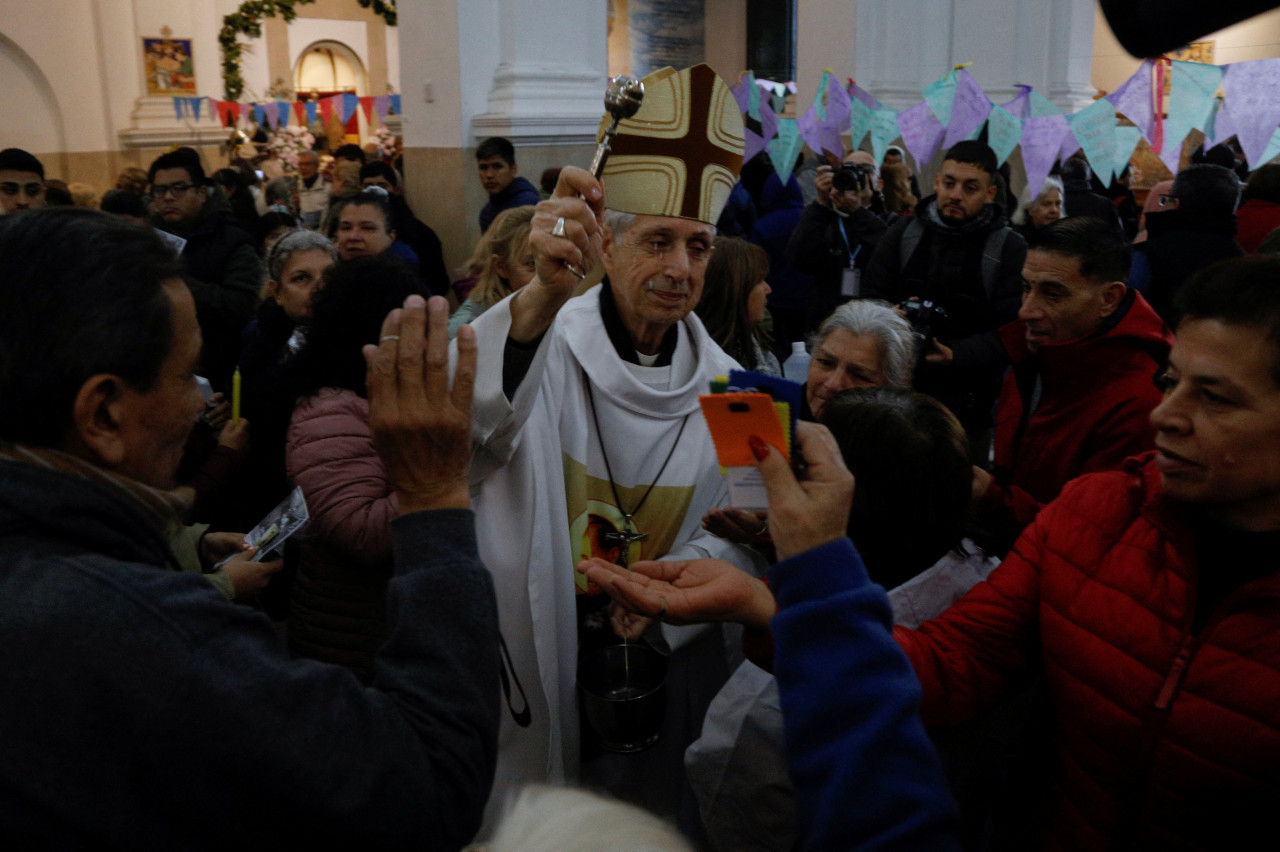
<point x="363" y="232"/>
<point x="308" y="166"/>
<point x="154" y="424"/>
<point x="1218" y="428"/>
<point x="656" y="271"/>
<point x="21" y="191"/>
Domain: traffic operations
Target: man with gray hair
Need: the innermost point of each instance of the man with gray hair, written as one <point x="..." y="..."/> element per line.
<point x="1195" y="227"/>
<point x="313" y="190"/>
<point x="590" y="438"/>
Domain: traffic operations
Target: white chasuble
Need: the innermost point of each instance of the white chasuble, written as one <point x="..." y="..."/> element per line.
<point x="542" y="496"/>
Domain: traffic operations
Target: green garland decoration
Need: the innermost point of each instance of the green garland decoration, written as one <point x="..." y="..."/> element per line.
<point x="247" y="21"/>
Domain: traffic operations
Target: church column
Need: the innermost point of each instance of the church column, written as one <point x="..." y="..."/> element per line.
<point x="531" y="71"/>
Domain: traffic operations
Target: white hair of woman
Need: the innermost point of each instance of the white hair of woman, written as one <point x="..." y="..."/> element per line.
<point x="1026" y="202"/>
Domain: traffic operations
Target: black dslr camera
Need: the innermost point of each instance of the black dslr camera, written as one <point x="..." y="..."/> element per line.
<point x="927" y="320"/>
<point x="852" y="176"/>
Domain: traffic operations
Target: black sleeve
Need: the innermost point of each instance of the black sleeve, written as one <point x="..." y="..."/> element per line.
<point x="809" y="249"/>
<point x="882" y="277"/>
<point x="517" y="358"/>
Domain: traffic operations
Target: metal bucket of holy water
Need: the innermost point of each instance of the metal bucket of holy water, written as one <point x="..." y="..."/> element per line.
<point x="624" y="695"/>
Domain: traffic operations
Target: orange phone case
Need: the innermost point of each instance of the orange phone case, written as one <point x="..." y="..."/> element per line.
<point x="734" y="417"/>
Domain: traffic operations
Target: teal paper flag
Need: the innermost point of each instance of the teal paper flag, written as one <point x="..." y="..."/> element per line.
<point x="784" y="147"/>
<point x="939" y="95"/>
<point x="1004" y="131"/>
<point x="860" y="117"/>
<point x="1126" y="141"/>
<point x="1191" y="105"/>
<point x="819" y="100"/>
<point x="1041" y="106"/>
<point x="884" y="129"/>
<point x="1273" y="149"/>
<point x="1095" y="129"/>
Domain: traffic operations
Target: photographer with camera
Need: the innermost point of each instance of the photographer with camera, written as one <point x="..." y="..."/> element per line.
<point x="838" y="233"/>
<point x="958" y="253"/>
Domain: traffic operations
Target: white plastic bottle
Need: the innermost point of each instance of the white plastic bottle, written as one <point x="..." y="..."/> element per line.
<point x="796" y="367"/>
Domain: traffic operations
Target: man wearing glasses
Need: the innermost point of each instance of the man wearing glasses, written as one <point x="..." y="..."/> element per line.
<point x="21" y="181"/>
<point x="223" y="269"/>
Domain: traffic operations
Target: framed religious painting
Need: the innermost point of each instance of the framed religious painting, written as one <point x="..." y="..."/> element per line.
<point x="167" y="63"/>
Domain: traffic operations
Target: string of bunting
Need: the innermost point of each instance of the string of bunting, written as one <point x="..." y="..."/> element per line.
<point x="955" y="107"/>
<point x="276" y="114"/>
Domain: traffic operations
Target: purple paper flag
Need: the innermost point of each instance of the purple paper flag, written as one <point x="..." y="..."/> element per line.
<point x="868" y="100"/>
<point x="969" y="109"/>
<point x="811" y="131"/>
<point x="753" y="144"/>
<point x="1069" y="144"/>
<point x="742" y="91"/>
<point x="272" y="112"/>
<point x="838" y="105"/>
<point x="921" y="132"/>
<point x="1133" y="98"/>
<point x="381" y="104"/>
<point x="1041" y="139"/>
<point x="768" y="121"/>
<point x="1019" y="107"/>
<point x="1254" y="98"/>
<point x="177" y="106"/>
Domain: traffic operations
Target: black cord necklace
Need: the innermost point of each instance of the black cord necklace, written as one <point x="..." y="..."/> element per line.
<point x="624" y="538"/>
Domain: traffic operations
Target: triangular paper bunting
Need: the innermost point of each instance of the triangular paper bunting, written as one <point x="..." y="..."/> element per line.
<point x="195" y="107"/>
<point x="395" y="104"/>
<point x="969" y="108"/>
<point x="381" y="104"/>
<point x="1020" y="106"/>
<point x="259" y="115"/>
<point x="884" y="129"/>
<point x="1251" y="92"/>
<point x="859" y="122"/>
<point x="312" y="107"/>
<point x="177" y="106"/>
<point x="1133" y="99"/>
<point x="921" y="133"/>
<point x="1041" y="139"/>
<point x="1004" y="131"/>
<point x="366" y="104"/>
<point x="326" y="108"/>
<point x="350" y="103"/>
<point x="1127" y="139"/>
<point x="1095" y="129"/>
<point x="300" y="112"/>
<point x="784" y="147"/>
<point x="939" y="95"/>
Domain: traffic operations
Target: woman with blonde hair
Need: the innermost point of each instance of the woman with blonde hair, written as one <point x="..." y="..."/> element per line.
<point x="898" y="197"/>
<point x="505" y="264"/>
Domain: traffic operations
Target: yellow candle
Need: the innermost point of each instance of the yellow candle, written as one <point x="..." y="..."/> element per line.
<point x="235" y="394"/>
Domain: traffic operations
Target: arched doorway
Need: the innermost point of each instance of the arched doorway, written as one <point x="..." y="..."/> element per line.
<point x="327" y="68"/>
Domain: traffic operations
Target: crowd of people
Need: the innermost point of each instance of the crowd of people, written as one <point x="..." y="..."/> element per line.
<point x="1011" y="590"/>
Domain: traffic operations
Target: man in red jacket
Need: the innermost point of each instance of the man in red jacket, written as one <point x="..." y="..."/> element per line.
<point x="1085" y="348"/>
<point x="1150" y="598"/>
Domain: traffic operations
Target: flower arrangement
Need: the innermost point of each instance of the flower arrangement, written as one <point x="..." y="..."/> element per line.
<point x="386" y="142"/>
<point x="287" y="143"/>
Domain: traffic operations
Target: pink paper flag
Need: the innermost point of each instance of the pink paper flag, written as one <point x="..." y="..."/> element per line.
<point x="382" y="105"/>
<point x="272" y="113"/>
<point x="1250" y="90"/>
<point x="1041" y="139"/>
<point x="1133" y="98"/>
<point x="921" y="132"/>
<point x="969" y="109"/>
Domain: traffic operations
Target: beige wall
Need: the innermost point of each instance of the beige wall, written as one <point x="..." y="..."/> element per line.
<point x="824" y="39"/>
<point x="443" y="188"/>
<point x="1256" y="38"/>
<point x="726" y="39"/>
